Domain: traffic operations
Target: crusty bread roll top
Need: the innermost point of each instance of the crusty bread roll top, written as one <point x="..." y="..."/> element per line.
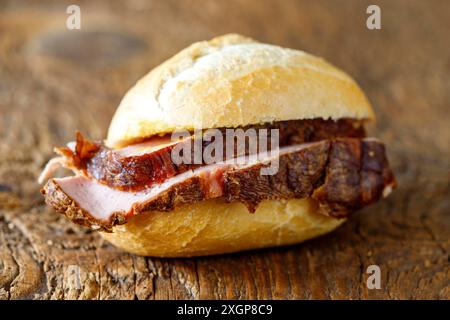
<point x="233" y="81"/>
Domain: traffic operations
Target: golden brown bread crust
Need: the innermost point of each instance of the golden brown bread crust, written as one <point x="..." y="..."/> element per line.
<point x="215" y="227"/>
<point x="234" y="81"/>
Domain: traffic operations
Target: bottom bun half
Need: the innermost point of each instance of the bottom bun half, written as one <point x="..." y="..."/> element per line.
<point x="215" y="227"/>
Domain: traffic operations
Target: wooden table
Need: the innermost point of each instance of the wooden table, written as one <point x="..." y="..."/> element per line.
<point x="54" y="81"/>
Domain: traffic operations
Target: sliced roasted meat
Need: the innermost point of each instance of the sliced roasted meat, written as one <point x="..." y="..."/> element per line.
<point x="343" y="175"/>
<point x="139" y="166"/>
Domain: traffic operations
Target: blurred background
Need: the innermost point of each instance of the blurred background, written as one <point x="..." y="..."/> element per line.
<point x="54" y="81"/>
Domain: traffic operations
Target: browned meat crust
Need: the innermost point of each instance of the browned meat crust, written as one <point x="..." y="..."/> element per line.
<point x="134" y="173"/>
<point x="343" y="175"/>
<point x="62" y="203"/>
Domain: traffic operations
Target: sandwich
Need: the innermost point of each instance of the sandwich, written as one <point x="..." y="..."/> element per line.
<point x="229" y="145"/>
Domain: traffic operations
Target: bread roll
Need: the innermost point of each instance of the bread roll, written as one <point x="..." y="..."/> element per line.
<point x="230" y="81"/>
<point x="213" y="227"/>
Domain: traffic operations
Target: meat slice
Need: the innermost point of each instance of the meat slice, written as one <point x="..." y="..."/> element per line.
<point x="343" y="175"/>
<point x="141" y="165"/>
<point x="352" y="163"/>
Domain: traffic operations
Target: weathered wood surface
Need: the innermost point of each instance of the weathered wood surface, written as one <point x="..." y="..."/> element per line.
<point x="54" y="81"/>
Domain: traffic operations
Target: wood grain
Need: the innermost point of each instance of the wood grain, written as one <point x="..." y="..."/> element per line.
<point x="54" y="81"/>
